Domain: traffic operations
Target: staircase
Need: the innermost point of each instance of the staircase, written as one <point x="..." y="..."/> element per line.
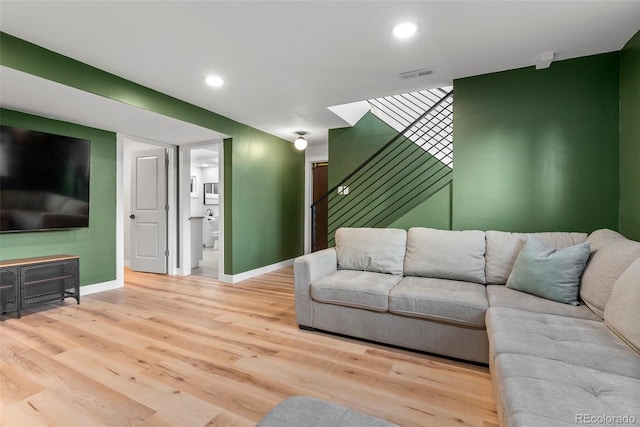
<point x="400" y="111"/>
<point x="406" y="171"/>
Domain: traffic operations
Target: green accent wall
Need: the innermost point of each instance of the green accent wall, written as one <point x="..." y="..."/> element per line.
<point x="96" y="245"/>
<point x="267" y="215"/>
<point x="537" y="150"/>
<point x="263" y="186"/>
<point x="435" y="212"/>
<point x="350" y="147"/>
<point x="630" y="138"/>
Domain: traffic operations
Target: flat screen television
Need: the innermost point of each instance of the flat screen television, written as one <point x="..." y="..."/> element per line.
<point x="44" y="181"/>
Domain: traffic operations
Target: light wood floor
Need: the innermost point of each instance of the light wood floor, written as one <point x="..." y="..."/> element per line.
<point x="169" y="351"/>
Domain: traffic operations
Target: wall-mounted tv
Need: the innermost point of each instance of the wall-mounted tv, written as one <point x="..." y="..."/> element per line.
<point x="44" y="181"/>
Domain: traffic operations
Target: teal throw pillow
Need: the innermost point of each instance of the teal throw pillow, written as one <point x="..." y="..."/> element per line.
<point x="550" y="273"/>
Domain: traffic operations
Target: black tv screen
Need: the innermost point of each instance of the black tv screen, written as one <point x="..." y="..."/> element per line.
<point x="44" y="180"/>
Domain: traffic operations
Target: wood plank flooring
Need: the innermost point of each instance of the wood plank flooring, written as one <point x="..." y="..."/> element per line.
<point x="174" y="351"/>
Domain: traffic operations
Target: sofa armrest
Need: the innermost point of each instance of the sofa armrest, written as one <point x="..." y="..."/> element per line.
<point x="306" y="269"/>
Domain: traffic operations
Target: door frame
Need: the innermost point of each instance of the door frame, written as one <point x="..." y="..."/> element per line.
<point x="123" y="181"/>
<point x="308" y="197"/>
<point x="184" y="181"/>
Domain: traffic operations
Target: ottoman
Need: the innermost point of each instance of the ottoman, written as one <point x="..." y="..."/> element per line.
<point x="300" y="411"/>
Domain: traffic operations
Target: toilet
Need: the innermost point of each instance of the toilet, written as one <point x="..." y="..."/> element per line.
<point x="215" y="233"/>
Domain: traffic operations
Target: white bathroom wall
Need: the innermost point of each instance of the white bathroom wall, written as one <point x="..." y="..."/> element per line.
<point x="210" y="174"/>
<point x="197" y="204"/>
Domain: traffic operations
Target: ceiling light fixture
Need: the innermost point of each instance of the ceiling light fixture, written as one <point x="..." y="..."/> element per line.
<point x="214" y="81"/>
<point x="404" y="30"/>
<point x="300" y="142"/>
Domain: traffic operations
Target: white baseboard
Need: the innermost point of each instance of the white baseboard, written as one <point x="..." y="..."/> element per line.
<point x="101" y="287"/>
<point x="235" y="278"/>
<point x="226" y="278"/>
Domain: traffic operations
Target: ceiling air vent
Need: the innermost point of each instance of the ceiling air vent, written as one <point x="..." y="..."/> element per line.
<point x="417" y="73"/>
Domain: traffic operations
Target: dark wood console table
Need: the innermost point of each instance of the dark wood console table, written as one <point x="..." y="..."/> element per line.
<point x="32" y="281"/>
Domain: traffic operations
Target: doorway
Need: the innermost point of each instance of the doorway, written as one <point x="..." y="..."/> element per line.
<point x="205" y="214"/>
<point x="148" y="210"/>
<point x="320" y="186"/>
<point x="151" y="254"/>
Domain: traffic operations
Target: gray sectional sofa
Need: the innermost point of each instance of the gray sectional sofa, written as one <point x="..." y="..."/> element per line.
<point x="460" y="294"/>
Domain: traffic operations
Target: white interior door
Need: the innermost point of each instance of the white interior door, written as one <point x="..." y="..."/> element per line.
<point x="149" y="209"/>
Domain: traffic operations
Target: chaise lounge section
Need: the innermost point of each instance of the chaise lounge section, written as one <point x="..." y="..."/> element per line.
<point x="556" y="360"/>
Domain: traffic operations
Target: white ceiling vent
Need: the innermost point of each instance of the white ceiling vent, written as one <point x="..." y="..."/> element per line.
<point x="417" y="73"/>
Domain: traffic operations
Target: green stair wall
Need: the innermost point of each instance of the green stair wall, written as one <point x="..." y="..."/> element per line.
<point x="264" y="174"/>
<point x="350" y="146"/>
<point x="538" y="150"/>
<point x="630" y="138"/>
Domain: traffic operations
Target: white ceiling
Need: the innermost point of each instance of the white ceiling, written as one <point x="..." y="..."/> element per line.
<point x="205" y="157"/>
<point x="35" y="95"/>
<point x="285" y="62"/>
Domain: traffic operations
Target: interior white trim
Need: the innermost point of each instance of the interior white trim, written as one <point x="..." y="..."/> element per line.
<point x="235" y="278"/>
<point x="120" y="263"/>
<point x="101" y="287"/>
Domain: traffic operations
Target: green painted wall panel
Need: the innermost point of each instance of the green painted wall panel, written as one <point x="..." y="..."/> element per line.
<point x="96" y="245"/>
<point x="249" y="178"/>
<point x="267" y="183"/>
<point x="350" y="146"/>
<point x="630" y="139"/>
<point x="537" y="150"/>
<point x="435" y="212"/>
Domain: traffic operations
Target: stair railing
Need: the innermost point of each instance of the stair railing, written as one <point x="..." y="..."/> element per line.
<point x="413" y="165"/>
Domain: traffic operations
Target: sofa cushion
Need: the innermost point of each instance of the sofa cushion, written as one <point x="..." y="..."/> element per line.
<point x="579" y="342"/>
<point x="501" y="296"/>
<point x="543" y="392"/>
<point x="359" y="289"/>
<point x="443" y="254"/>
<point x="553" y="274"/>
<point x="503" y="249"/>
<point x="371" y="249"/>
<point x="448" y="301"/>
<point x="622" y="312"/>
<point x="611" y="254"/>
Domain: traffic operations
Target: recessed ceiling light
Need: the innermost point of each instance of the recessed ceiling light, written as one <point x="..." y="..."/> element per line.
<point x="214" y="81"/>
<point x="404" y="30"/>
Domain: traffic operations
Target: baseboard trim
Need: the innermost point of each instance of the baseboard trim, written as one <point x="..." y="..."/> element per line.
<point x="235" y="278"/>
<point x="101" y="287"/>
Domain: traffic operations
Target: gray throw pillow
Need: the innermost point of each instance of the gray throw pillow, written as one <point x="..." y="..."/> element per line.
<point x="550" y="273"/>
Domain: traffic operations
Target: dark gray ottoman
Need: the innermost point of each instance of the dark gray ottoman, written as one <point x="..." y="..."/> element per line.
<point x="300" y="411"/>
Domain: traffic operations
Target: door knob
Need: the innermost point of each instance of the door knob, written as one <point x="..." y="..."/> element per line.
<point x="132" y="216"/>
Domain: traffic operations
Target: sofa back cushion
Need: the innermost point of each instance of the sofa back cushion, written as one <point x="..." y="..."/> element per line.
<point x="503" y="249"/>
<point x="622" y="312"/>
<point x="611" y="255"/>
<point x="379" y="250"/>
<point x="444" y="254"/>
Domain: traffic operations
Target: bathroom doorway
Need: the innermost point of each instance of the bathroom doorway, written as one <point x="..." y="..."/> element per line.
<point x="205" y="213"/>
